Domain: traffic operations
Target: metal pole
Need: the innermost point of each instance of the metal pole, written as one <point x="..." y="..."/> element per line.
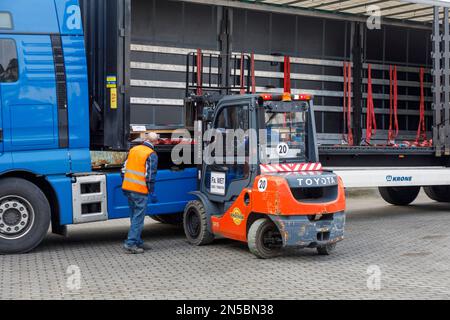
<point x="446" y="72"/>
<point x="357" y="59"/>
<point x="437" y="89"/>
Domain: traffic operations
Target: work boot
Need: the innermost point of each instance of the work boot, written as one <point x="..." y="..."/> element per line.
<point x="144" y="246"/>
<point x="133" y="249"/>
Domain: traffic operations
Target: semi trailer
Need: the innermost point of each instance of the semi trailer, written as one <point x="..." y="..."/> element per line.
<point x="80" y="79"/>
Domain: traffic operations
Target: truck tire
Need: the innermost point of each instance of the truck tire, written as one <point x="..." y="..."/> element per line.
<point x="24" y="216"/>
<point x="438" y="193"/>
<point x="264" y="239"/>
<point x="399" y="196"/>
<point x="175" y="219"/>
<point x="195" y="224"/>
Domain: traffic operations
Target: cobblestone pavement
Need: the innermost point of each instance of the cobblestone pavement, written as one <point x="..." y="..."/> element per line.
<point x="408" y="248"/>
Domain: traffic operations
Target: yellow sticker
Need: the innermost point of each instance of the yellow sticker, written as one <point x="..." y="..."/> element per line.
<point x="237" y="216"/>
<point x="111" y="82"/>
<point x="113" y="98"/>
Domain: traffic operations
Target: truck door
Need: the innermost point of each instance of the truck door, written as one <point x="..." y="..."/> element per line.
<point x="28" y="95"/>
<point x="8" y="74"/>
<point x="224" y="180"/>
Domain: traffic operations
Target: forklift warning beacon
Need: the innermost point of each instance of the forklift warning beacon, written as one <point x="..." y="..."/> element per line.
<point x="284" y="198"/>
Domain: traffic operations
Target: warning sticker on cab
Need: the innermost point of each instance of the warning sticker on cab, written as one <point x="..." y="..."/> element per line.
<point x="218" y="183"/>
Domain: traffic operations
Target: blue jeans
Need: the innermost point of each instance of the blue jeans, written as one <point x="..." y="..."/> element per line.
<point x="138" y="209"/>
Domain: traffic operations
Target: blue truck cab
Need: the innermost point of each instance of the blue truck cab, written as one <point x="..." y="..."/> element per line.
<point x="46" y="177"/>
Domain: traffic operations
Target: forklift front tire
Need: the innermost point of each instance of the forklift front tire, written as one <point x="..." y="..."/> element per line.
<point x="195" y="223"/>
<point x="264" y="239"/>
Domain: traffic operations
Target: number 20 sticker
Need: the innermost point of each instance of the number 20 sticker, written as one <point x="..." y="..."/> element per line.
<point x="282" y="149"/>
<point x="262" y="184"/>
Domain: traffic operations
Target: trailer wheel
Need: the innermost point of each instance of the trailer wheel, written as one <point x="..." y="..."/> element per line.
<point x="264" y="239"/>
<point x="24" y="216"/>
<point x="399" y="196"/>
<point x="195" y="224"/>
<point x="172" y="219"/>
<point x="326" y="250"/>
<point x="438" y="193"/>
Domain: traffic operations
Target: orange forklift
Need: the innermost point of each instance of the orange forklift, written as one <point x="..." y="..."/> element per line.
<point x="268" y="189"/>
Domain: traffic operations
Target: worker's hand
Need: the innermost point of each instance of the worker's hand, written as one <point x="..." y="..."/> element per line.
<point x="153" y="198"/>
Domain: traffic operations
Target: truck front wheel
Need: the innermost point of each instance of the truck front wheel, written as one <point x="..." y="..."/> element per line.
<point x="399" y="196"/>
<point x="24" y="216"/>
<point x="264" y="239"/>
<point x="438" y="193"/>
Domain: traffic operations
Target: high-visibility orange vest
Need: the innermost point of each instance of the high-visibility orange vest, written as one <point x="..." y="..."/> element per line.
<point x="136" y="170"/>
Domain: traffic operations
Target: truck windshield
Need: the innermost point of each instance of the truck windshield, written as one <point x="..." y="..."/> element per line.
<point x="286" y="136"/>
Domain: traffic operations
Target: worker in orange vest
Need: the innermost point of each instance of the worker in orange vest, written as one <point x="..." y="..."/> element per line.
<point x="139" y="173"/>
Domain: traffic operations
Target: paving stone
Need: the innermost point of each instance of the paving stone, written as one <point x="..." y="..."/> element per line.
<point x="409" y="245"/>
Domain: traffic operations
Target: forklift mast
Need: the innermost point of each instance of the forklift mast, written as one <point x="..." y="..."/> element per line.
<point x="206" y="90"/>
<point x="207" y="82"/>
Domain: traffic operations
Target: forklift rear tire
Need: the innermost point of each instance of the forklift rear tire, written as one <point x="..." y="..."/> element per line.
<point x="172" y="219"/>
<point x="264" y="239"/>
<point x="195" y="223"/>
<point x="399" y="196"/>
<point x="438" y="193"/>
<point x="24" y="216"/>
<point x="326" y="250"/>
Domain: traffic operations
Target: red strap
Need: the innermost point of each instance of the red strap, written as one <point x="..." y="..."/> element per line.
<point x="199" y="72"/>
<point x="242" y="74"/>
<point x="421" y="131"/>
<point x="371" y="121"/>
<point x="287" y="74"/>
<point x="396" y="101"/>
<point x="421" y="137"/>
<point x="393" y="104"/>
<point x="348" y="101"/>
<point x="252" y="67"/>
